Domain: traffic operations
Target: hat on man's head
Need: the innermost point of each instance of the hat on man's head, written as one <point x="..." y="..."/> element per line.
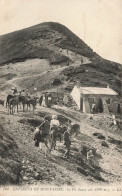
<point x="54" y="116"/>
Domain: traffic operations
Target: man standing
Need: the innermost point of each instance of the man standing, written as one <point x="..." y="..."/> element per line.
<point x="44" y="101"/>
<point x="93" y="108"/>
<point x="90" y="157"/>
<point x="44" y="131"/>
<point x="67" y="142"/>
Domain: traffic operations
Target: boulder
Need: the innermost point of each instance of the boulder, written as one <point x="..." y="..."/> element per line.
<point x="104" y="144"/>
<point x="56" y="81"/>
<point x="99" y="136"/>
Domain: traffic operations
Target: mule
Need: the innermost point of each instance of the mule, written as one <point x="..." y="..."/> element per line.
<point x="24" y="100"/>
<point x="12" y="103"/>
<point x="57" y="133"/>
<point x="33" y="102"/>
<point x="8" y="99"/>
<point x="42" y="139"/>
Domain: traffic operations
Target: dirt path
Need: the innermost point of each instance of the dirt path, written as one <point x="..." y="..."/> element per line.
<point x="54" y="170"/>
<point x="71" y="55"/>
<point x="108" y="170"/>
<point x="32" y="76"/>
<point x="37" y="169"/>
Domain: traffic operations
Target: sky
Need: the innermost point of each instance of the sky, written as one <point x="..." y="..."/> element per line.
<point x="97" y="22"/>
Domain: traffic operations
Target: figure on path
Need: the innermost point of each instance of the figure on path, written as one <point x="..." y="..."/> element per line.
<point x="54" y="128"/>
<point x="45" y="137"/>
<point x="44" y="101"/>
<point x="67" y="141"/>
<point x="90" y="157"/>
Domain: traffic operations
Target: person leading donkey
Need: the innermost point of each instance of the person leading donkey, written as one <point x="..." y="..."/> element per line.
<point x="44" y="129"/>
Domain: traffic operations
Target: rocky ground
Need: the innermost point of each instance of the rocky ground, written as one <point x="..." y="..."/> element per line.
<point x="23" y="163"/>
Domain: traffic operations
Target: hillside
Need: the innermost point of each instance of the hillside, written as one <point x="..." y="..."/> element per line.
<point x="41" y="41"/>
<point x="10" y="165"/>
<point x="49" y="46"/>
<point x="23" y="163"/>
<point x="49" y="57"/>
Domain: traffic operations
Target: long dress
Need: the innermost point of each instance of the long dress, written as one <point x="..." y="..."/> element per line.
<point x="43" y="102"/>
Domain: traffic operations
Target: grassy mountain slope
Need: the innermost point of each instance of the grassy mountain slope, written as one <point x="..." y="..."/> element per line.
<point x="27" y="60"/>
<point x="51" y="41"/>
<point x="98" y="74"/>
<point x="9" y="157"/>
<point x="38" y="42"/>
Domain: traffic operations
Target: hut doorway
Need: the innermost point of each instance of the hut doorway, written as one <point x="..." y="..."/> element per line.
<point x="91" y="101"/>
<point x="81" y="103"/>
<point x="99" y="105"/>
<point x="119" y="109"/>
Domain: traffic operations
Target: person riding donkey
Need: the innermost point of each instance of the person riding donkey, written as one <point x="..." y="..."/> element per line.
<point x="54" y="123"/>
<point x="54" y="128"/>
<point x="13" y="100"/>
<point x="23" y="93"/>
<point x="45" y="137"/>
<point x="15" y="91"/>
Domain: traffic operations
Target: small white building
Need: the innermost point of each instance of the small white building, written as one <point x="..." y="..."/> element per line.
<point x="105" y="99"/>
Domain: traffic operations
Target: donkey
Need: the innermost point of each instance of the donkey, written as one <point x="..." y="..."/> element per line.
<point x="12" y="103"/>
<point x="24" y="100"/>
<point x="8" y="99"/>
<point x="33" y="102"/>
<point x="57" y="134"/>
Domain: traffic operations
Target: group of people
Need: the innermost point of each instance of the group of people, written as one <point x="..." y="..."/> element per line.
<point x="45" y="100"/>
<point x="43" y="136"/>
<point x="22" y="92"/>
<point x="48" y="131"/>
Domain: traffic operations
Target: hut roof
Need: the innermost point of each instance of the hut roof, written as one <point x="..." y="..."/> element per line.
<point x="97" y="91"/>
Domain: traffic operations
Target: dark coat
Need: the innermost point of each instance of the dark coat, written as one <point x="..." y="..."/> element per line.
<point x="38" y="138"/>
<point x="2" y="102"/>
<point x="45" y="127"/>
<point x="40" y="100"/>
<point x="67" y="140"/>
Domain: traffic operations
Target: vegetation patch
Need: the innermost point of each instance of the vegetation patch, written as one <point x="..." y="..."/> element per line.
<point x="10" y="165"/>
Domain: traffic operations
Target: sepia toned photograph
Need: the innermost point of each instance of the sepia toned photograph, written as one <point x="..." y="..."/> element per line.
<point x="60" y="97"/>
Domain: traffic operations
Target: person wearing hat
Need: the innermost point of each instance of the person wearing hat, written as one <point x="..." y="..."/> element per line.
<point x="54" y="121"/>
<point x="54" y="128"/>
<point x="67" y="142"/>
<point x="23" y="94"/>
<point x="45" y="127"/>
<point x="15" y="91"/>
<point x="44" y="131"/>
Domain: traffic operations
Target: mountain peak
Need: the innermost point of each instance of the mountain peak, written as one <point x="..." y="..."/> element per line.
<point x="41" y="41"/>
<point x="60" y="47"/>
